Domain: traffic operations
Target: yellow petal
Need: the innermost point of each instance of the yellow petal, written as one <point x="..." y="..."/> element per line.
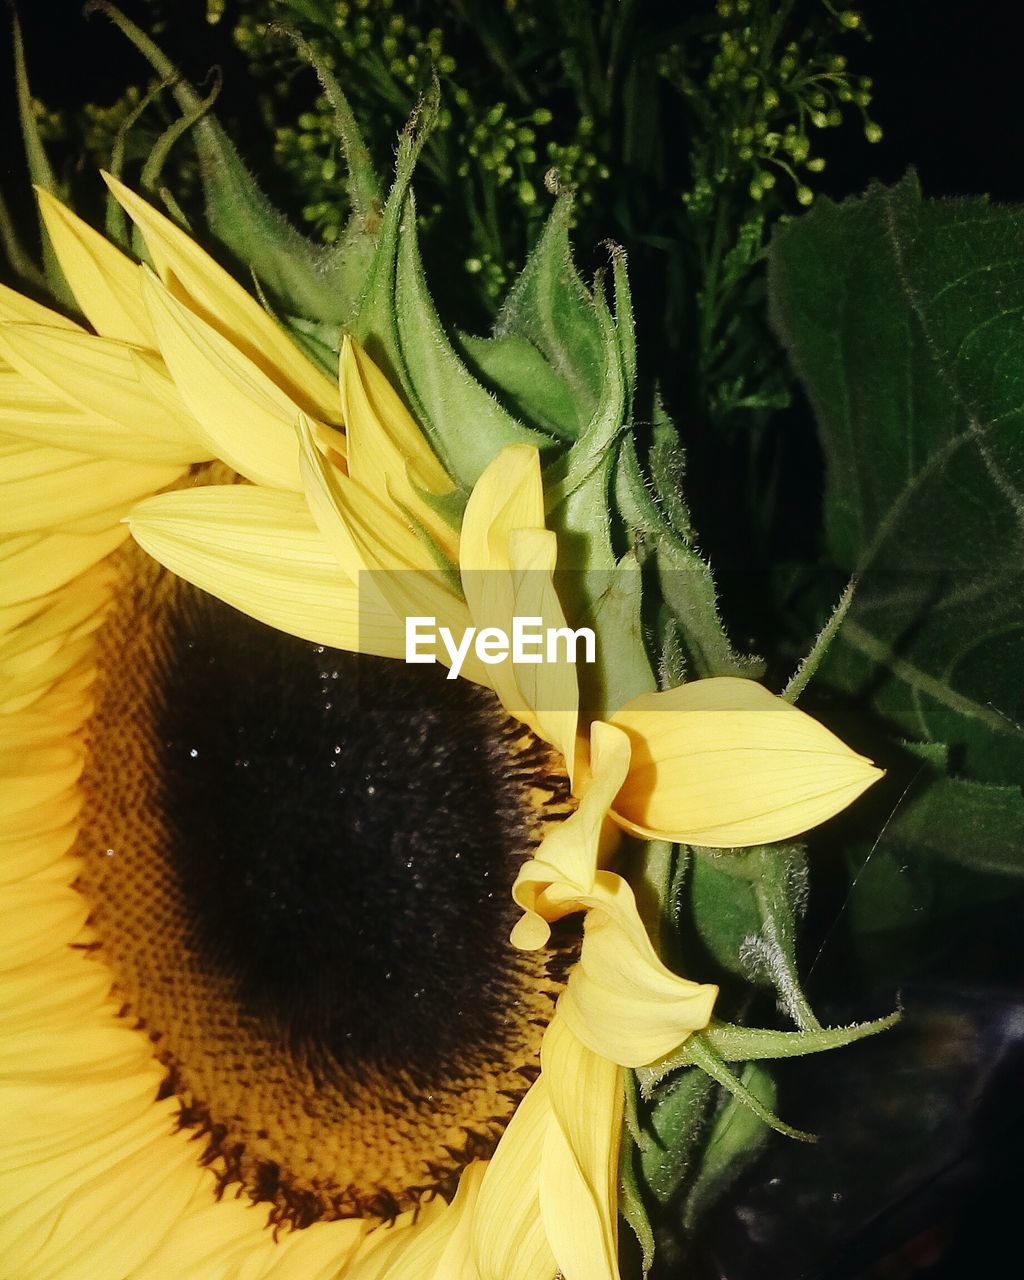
<point x="393" y="569"/>
<point x="621" y="1000"/>
<point x="384" y="444"/>
<point x="109" y="381"/>
<point x="15" y="307"/>
<point x="112" y="1208"/>
<point x="32" y="565"/>
<point x="39" y="920"/>
<point x="725" y="763"/>
<point x="508" y="1236"/>
<point x="507" y="558"/>
<point x="105" y="281"/>
<point x="361" y="524"/>
<point x="568" y="857"/>
<point x="580" y="1162"/>
<point x="379" y="1257"/>
<point x="211" y="293"/>
<point x="39" y="482"/>
<point x="260" y="551"/>
<point x="244" y="416"/>
<point x="441" y="1249"/>
<point x="509" y="495"/>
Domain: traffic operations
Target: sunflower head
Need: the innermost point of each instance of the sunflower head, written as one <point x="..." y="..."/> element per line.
<point x="321" y="962"/>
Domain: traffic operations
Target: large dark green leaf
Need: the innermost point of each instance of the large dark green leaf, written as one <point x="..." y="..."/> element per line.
<point x="904" y="318"/>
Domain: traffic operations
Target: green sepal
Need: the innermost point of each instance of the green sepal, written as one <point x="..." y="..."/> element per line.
<point x="39" y="171"/>
<point x="622" y="669"/>
<point x="399" y="326"/>
<point x="704" y="1056"/>
<point x="743" y="904"/>
<point x="304" y="278"/>
<point x="523" y="380"/>
<point x="578" y="485"/>
<point x="551" y="307"/>
<point x="736" y="1137"/>
<point x="733" y="1043"/>
<point x="657" y="526"/>
<point x="631" y="1187"/>
<point x="673" y="1133"/>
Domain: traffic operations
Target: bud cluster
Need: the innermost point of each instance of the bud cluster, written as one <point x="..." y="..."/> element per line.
<point x="765" y="102"/>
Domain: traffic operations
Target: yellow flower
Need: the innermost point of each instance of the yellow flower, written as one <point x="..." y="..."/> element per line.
<point x="335" y="533"/>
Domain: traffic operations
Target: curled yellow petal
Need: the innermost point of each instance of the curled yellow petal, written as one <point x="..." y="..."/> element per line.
<point x="554" y="882"/>
<point x="621" y="1000"/>
<point x="260" y="551"/>
<point x="207" y="290"/>
<point x="105" y="282"/>
<point x="580" y="1160"/>
<point x="725" y="763"/>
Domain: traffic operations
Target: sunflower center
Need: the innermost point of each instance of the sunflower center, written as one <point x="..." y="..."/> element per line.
<point x="344" y="829"/>
<point x="299" y="863"/>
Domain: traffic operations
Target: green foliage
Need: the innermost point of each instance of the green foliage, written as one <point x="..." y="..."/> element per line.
<point x="590" y="96"/>
<point x="902" y="318"/>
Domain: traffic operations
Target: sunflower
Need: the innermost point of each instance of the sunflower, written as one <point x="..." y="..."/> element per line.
<point x="293" y="980"/>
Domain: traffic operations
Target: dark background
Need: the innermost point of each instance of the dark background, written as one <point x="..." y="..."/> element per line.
<point x="947" y="87"/>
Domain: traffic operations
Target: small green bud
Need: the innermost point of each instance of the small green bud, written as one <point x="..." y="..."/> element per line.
<point x="805" y="195"/>
<point x="527" y="193"/>
<point x="770" y="101"/>
<point x="473" y="266"/>
<point x="816" y="165"/>
<point x="873" y="132"/>
<point x="850" y="19"/>
<point x="819" y="119"/>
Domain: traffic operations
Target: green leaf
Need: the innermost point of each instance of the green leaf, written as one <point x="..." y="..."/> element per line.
<point x="903" y="318"/>
<point x="958" y="820"/>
